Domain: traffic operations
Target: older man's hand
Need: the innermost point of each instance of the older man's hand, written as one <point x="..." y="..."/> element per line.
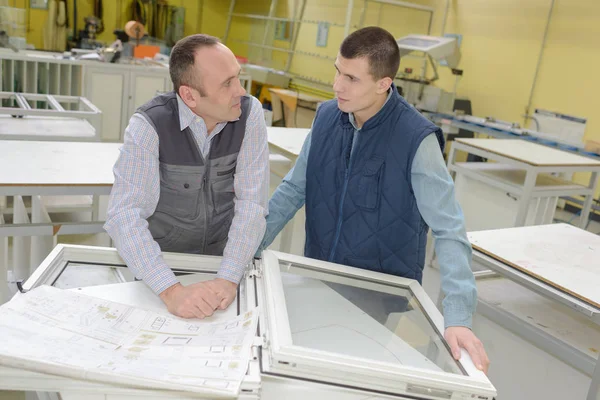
<point x="197" y="300"/>
<point x="225" y="290"/>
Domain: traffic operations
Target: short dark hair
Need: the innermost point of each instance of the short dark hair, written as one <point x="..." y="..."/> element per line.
<point x="182" y="59"/>
<point x="378" y="46"/>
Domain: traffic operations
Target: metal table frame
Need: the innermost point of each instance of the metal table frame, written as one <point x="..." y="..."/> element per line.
<point x="33" y="232"/>
<point x="84" y="109"/>
<point x="503" y="132"/>
<point x="528" y="191"/>
<point x="543" y="340"/>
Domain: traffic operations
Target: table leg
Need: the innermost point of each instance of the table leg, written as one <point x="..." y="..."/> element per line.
<point x="41" y="245"/>
<point x="4" y="292"/>
<point x="594" y="391"/>
<point x="525" y="198"/>
<point x="21" y="244"/>
<point x="452" y="158"/>
<point x="587" y="204"/>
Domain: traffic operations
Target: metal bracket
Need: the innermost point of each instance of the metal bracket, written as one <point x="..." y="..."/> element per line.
<point x="255" y="272"/>
<point x="19" y="283"/>
<point x="259" y="341"/>
<point x="265" y="341"/>
<point x="20" y="286"/>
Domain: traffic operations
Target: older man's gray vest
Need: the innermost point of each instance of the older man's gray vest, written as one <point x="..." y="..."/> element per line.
<point x="196" y="204"/>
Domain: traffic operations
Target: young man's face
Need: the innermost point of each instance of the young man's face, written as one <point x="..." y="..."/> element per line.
<point x="357" y="91"/>
<point x="219" y="99"/>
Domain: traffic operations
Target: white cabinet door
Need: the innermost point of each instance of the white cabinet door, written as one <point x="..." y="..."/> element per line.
<point x="107" y="90"/>
<point x="143" y="86"/>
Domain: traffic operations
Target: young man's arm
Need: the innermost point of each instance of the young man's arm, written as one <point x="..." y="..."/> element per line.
<point x="434" y="192"/>
<point x="288" y="198"/>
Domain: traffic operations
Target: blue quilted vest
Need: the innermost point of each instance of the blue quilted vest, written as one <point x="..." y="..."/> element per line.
<point x="361" y="210"/>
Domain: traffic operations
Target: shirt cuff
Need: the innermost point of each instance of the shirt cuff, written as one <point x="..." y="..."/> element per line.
<point x="232" y="271"/>
<point x="161" y="279"/>
<point x="457" y="316"/>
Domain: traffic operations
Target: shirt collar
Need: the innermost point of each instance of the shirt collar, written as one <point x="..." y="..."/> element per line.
<point x="186" y="115"/>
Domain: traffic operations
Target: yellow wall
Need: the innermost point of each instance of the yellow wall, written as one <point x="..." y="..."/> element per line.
<point x="384" y="15"/>
<point x="500" y="48"/>
<point x="245" y="29"/>
<point x="501" y="45"/>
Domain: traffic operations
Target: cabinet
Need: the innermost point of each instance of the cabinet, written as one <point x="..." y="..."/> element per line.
<point x="116" y="89"/>
<point x="119" y="92"/>
<point x="143" y="86"/>
<point x="107" y="90"/>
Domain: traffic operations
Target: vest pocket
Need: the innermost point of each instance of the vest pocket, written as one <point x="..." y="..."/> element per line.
<point x="216" y="249"/>
<point x="179" y="191"/>
<point x="223" y="194"/>
<point x="369" y="185"/>
<point x="166" y="242"/>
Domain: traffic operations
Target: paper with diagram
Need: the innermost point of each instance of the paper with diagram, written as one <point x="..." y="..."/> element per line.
<point x="66" y="333"/>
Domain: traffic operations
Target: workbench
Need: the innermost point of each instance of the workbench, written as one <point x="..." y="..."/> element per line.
<point x="523" y="170"/>
<point x="73" y="169"/>
<point x="539" y="309"/>
<point x="38" y="169"/>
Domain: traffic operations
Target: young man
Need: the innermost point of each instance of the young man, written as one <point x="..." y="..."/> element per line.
<point x="187" y="156"/>
<point x="373" y="178"/>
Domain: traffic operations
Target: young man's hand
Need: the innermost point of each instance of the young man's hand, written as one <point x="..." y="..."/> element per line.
<point x="461" y="337"/>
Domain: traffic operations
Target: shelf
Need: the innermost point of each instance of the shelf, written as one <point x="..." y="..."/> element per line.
<point x="512" y="179"/>
<point x="262" y="46"/>
<point x="280" y="49"/>
<point x="302" y="21"/>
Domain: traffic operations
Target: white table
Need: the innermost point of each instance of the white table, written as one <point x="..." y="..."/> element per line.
<point x="535" y="160"/>
<point x="30" y="168"/>
<point x="287" y="141"/>
<point x="36" y="168"/>
<point x="47" y="128"/>
<point x="547" y="295"/>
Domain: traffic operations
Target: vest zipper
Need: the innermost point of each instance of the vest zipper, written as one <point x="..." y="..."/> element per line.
<point x="205" y="194"/>
<point x="338" y="230"/>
